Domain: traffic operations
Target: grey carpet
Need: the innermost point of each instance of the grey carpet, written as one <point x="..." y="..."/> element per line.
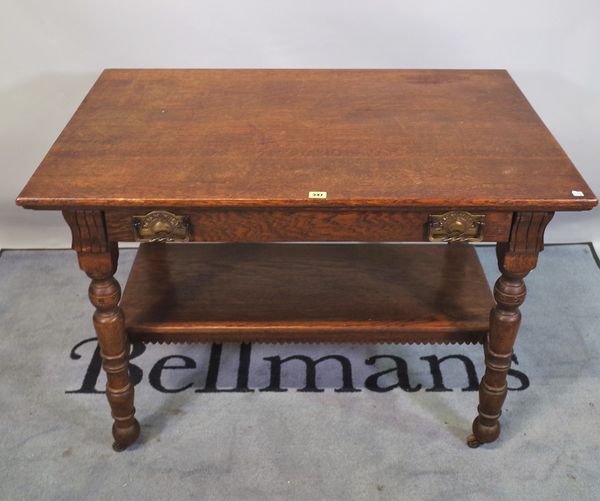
<point x="297" y="445"/>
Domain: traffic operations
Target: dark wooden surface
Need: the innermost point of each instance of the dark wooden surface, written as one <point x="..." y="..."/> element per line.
<point x="307" y="292"/>
<point x="309" y="225"/>
<point x="393" y="138"/>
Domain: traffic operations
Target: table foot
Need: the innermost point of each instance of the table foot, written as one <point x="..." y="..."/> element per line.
<point x="125" y="436"/>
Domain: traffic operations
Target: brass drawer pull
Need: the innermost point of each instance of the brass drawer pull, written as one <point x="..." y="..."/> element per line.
<point x="161" y="226"/>
<point x="456" y="226"/>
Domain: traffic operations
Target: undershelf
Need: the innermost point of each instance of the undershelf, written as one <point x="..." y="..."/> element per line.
<point x="369" y="293"/>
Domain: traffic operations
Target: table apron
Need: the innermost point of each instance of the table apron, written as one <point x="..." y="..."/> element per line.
<point x="276" y="225"/>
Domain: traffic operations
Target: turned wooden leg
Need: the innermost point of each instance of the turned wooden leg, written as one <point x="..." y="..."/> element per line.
<point x="105" y="293"/>
<point x="515" y="259"/>
<point x="505" y="319"/>
<point x="99" y="260"/>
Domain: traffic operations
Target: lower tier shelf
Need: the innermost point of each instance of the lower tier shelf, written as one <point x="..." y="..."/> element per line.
<point x="355" y="293"/>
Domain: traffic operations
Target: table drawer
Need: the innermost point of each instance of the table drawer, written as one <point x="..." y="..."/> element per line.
<point x="272" y="225"/>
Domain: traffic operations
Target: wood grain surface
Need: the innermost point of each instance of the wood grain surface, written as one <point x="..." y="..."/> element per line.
<point x="304" y="225"/>
<point x="307" y="292"/>
<point x="392" y="138"/>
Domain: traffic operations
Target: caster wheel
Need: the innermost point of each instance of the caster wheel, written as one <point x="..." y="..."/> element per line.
<point x="118" y="448"/>
<point x="472" y="442"/>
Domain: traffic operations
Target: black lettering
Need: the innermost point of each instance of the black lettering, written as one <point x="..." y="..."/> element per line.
<point x="436" y="372"/>
<point x="214" y="365"/>
<point x="401" y="370"/>
<point x="93" y="369"/>
<point x="135" y="373"/>
<point x="90" y="379"/>
<point x="311" y="373"/>
<point x="244" y="368"/>
<point x="156" y="372"/>
<point x="519" y="375"/>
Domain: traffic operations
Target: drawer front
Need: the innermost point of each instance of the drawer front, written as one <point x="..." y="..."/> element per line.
<point x="273" y="225"/>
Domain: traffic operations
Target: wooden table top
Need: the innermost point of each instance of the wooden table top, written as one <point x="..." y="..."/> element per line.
<point x="390" y="138"/>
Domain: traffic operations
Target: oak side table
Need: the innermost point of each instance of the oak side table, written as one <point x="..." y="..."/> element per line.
<point x="247" y="159"/>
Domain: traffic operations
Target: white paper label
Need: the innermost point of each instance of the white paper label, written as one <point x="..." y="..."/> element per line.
<point x="317" y="194"/>
<point x="577" y="193"/>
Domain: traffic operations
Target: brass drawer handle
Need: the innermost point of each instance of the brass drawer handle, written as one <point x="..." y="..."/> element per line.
<point x="456" y="226"/>
<point x="161" y="226"/>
